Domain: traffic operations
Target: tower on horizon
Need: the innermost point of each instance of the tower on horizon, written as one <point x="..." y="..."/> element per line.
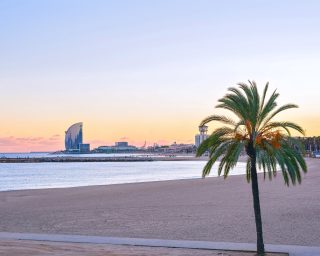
<point x="199" y="138"/>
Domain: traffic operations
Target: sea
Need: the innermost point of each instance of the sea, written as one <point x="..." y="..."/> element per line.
<point x="20" y="176"/>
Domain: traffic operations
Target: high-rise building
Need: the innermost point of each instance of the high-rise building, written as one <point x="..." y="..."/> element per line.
<point x="74" y="138"/>
<point x="199" y="138"/>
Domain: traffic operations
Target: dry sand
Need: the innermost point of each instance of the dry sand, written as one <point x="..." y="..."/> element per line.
<point x="212" y="209"/>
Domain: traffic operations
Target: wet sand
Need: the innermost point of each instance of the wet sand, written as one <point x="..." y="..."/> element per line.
<point x="212" y="209"/>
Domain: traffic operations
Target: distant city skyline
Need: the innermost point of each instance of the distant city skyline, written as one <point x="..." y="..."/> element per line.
<point x="147" y="70"/>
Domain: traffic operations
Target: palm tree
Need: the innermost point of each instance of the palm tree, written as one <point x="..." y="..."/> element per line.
<point x="267" y="143"/>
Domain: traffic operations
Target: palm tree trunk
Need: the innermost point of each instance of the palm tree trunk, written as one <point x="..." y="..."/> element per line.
<point x="256" y="204"/>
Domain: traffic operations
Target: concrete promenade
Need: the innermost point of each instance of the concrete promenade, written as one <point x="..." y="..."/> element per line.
<point x="292" y="250"/>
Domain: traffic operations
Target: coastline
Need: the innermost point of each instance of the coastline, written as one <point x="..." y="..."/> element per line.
<point x="197" y="209"/>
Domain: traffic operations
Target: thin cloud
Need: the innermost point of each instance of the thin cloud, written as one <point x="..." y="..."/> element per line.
<point x="4" y="141"/>
<point x="24" y="144"/>
<point x="55" y="137"/>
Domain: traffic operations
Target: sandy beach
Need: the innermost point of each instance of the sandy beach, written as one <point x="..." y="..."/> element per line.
<point x="211" y="209"/>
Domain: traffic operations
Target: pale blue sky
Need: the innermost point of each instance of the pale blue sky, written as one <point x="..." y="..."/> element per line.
<point x="149" y="63"/>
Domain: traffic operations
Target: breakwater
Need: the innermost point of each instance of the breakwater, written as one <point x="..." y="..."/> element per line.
<point x="95" y="159"/>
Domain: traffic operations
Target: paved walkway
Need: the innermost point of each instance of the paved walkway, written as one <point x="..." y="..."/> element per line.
<point x="293" y="250"/>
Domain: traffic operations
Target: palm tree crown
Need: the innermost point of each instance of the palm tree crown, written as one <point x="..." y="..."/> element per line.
<point x="256" y="132"/>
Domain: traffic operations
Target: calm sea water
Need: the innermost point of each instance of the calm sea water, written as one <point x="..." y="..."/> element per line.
<point x="20" y="176"/>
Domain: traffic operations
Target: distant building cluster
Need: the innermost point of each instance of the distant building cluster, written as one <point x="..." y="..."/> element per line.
<point x="74" y="144"/>
<point x="119" y="147"/>
<point x="172" y="149"/>
<point x="311" y="145"/>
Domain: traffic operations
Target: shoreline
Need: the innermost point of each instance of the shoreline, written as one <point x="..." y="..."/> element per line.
<point x="107" y="185"/>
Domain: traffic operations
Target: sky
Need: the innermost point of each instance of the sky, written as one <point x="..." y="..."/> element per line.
<point x="147" y="70"/>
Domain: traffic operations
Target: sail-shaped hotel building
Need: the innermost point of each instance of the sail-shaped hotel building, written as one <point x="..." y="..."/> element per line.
<point x="74" y="139"/>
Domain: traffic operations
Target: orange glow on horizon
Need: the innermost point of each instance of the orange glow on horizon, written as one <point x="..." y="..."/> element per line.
<point x="49" y="136"/>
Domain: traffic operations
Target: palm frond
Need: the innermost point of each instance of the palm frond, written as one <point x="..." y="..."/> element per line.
<point x="265" y="90"/>
<point x="235" y="105"/>
<point x="280" y="109"/>
<point x="270" y="105"/>
<point x="216" y="138"/>
<point x="284" y="125"/>
<point x="231" y="157"/>
<point x="215" y="154"/>
<point x="219" y="118"/>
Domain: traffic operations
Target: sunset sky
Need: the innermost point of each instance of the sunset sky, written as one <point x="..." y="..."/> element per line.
<point x="147" y="70"/>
